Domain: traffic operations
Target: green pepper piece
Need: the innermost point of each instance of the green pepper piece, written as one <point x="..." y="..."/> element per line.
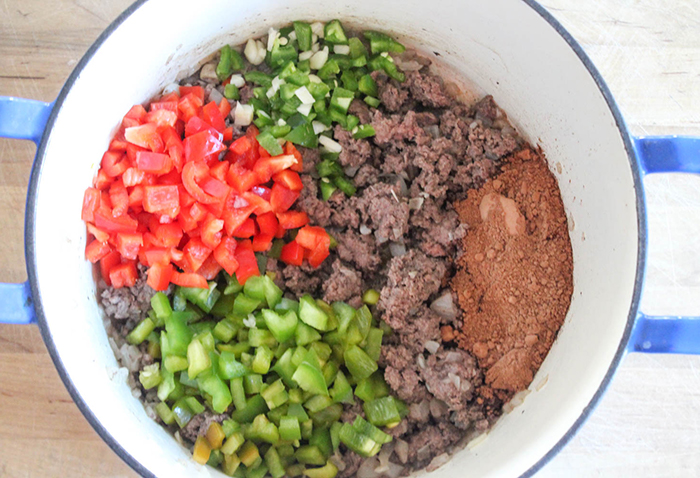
<point x="334" y="33"/>
<point x="321" y="438"/>
<point x="254" y="407"/>
<point x="252" y="383"/>
<point x="327" y="188"/>
<point x="220" y="393"/>
<point x="161" y="305"/>
<point x="318" y="403"/>
<point x="231" y="92"/>
<point x="224" y="68"/>
<point x="382" y="411"/>
<point x="194" y="405"/>
<point x="182" y="413"/>
<point x="329" y="470"/>
<point x="329" y="70"/>
<point x="274" y="464"/>
<point x="326" y="417"/>
<point x="335" y="435"/>
<point x="285" y="368"/>
<point x="178" y="333"/>
<point x="328" y="167"/>
<point x="344" y="185"/>
<point x="303" y="135"/>
<point x="364" y="320"/>
<point x="299" y="78"/>
<point x="379" y="42"/>
<point x="264" y="430"/>
<point x="357" y="48"/>
<point x="258" y="337"/>
<point x="351" y="122"/>
<point x="244" y="305"/>
<point x="167" y="385"/>
<point x="236" y="349"/>
<point x="150" y="376"/>
<point x="364" y="427"/>
<point x="231" y="466"/>
<point x="141" y="331"/>
<point x="229" y="367"/>
<point x="225" y="330"/>
<point x="364" y="131"/>
<point x="318" y="90"/>
<point x="238" y="393"/>
<point x="281" y="54"/>
<point x="258" y="77"/>
<point x="303" y="31"/>
<point x="359" y="363"/>
<point x="223" y="306"/>
<point x="275" y="395"/>
<point x="197" y="358"/>
<point x="202" y="298"/>
<point x="307" y="428"/>
<point x="282" y="327"/>
<point x="367" y="85"/>
<point x="345" y="313"/>
<point x="165" y="413"/>
<point x="372" y="101"/>
<point x="233" y="443"/>
<point x="342" y="391"/>
<point x="358" y="442"/>
<point x="311" y="314"/>
<point x="254" y="288"/>
<point x="249" y="453"/>
<point x="374" y="343"/>
<point x="289" y="428"/>
<point x="232" y="285"/>
<point x="330" y="371"/>
<point x="298" y="356"/>
<point x="322" y="351"/>
<point x="270" y="144"/>
<point x="279" y="130"/>
<point x="341" y="99"/>
<point x="230" y="427"/>
<point x="262" y="360"/>
<point x="310" y="379"/>
<point x="310" y="455"/>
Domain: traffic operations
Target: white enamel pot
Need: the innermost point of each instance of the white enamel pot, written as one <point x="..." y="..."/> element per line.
<point x="512" y="49"/>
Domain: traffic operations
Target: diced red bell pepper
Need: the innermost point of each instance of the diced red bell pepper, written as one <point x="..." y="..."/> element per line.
<point x="262" y="242"/>
<point x="192" y="173"/>
<point x="202" y="145"/>
<point x="317" y="241"/>
<point x="235" y="217"/>
<point x="123" y="275"/>
<point x="118" y="143"/>
<point x="240" y="178"/>
<point x="131" y="150"/>
<point x="210" y="269"/>
<point x="196" y="125"/>
<point x="261" y="206"/>
<point x="225" y="255"/>
<point x="292" y="219"/>
<point x="162" y="200"/>
<point x="267" y="167"/>
<point x="289" y="148"/>
<point x="128" y="244"/>
<point x="159" y="276"/>
<point x="161" y="117"/>
<point x="189" y="279"/>
<point x="228" y="134"/>
<point x="245" y="230"/>
<point x="282" y="198"/>
<point x="156" y="163"/>
<point x="168" y="103"/>
<point x="267" y="223"/>
<point x="96" y="250"/>
<point x="173" y="144"/>
<point x="215" y="188"/>
<point x="114" y="163"/>
<point x="244" y="150"/>
<point x="101" y="181"/>
<point x="198" y="212"/>
<point x="318" y="255"/>
<point x="136" y="198"/>
<point x="196" y="253"/>
<point x="145" y="136"/>
<point x="247" y="264"/>
<point x="219" y="170"/>
<point x="289" y="179"/>
<point x="136" y="112"/>
<point x="133" y="176"/>
<point x="186" y="198"/>
<point x="186" y="221"/>
<point x="197" y="91"/>
<point x="119" y="198"/>
<point x="224" y="108"/>
<point x="212" y="115"/>
<point x="99" y="234"/>
<point x="91" y="202"/>
<point x="156" y="255"/>
<point x="189" y="106"/>
<point x="107" y="263"/>
<point x="262" y="191"/>
<point x="212" y="231"/>
<point x="169" y="235"/>
<point x="292" y="254"/>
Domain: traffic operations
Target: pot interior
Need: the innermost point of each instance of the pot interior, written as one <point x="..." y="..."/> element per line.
<point x="503" y="47"/>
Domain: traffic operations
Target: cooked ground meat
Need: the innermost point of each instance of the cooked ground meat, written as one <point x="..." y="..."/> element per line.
<point x="199" y="424"/>
<point x="385" y="211"/>
<point x="355" y="152"/>
<point x="343" y="284"/>
<point x="359" y="249"/>
<point x="319" y="211"/>
<point x="452" y="377"/>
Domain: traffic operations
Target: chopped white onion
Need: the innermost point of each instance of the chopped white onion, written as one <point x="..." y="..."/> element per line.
<point x="423" y="452"/>
<point x="401" y="450"/>
<point x="319" y="127"/>
<point x="438" y="408"/>
<point x="454" y="357"/>
<point x="304" y="95"/>
<point x="350" y="171"/>
<point x="243" y="114"/>
<point x="364" y="230"/>
<point x="275" y="86"/>
<point x="367" y="468"/>
<point x="281" y="122"/>
<point x="315" y="46"/>
<point x="431" y="346"/>
<point x="337" y="460"/>
<point x="171" y="88"/>
<point x="317" y="28"/>
<point x="272" y="35"/>
<point x="383" y="457"/>
<point x="319" y="59"/>
<point x="341" y="49"/>
<point x="414" y="204"/>
<point x="208" y="73"/>
<point x="215" y="96"/>
<point x="237" y="80"/>
<point x="419" y="412"/>
<point x="438" y="461"/>
<point x="454" y="379"/>
<point x="397" y="249"/>
<point x="420" y="360"/>
<point x="304" y="109"/>
<point x="292" y="35"/>
<point x="330" y="145"/>
<point x="444" y="306"/>
<point x="315" y="79"/>
<point x="283" y="40"/>
<point x="305" y="55"/>
<point x="255" y="51"/>
<point x="250" y="321"/>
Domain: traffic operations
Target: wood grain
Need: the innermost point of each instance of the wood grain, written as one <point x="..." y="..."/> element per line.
<point x="648" y="423"/>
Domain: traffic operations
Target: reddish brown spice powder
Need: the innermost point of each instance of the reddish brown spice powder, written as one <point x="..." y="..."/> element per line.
<point x="515" y="279"/>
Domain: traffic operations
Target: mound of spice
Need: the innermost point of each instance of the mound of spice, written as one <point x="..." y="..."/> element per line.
<point x="515" y="279"/>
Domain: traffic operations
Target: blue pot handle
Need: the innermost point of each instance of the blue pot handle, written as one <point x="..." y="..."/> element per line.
<point x="20" y="119"/>
<point x="665" y="334"/>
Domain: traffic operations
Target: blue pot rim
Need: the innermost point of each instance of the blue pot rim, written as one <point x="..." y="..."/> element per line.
<point x="135" y="464"/>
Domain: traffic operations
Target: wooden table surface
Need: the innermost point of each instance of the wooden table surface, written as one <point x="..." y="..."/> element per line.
<point x="648" y="423"/>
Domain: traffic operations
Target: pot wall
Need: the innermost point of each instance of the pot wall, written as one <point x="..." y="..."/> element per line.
<point x="503" y="47"/>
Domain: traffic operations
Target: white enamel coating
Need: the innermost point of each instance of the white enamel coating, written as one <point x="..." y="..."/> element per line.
<point x="503" y="47"/>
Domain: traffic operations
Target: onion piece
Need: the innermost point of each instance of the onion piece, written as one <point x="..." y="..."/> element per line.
<point x="423" y="452"/>
<point x="438" y="461"/>
<point x="414" y="204"/>
<point x="237" y="80"/>
<point x="420" y="360"/>
<point x="215" y="96"/>
<point x="208" y="73"/>
<point x="431" y="346"/>
<point x="330" y="145"/>
<point x="444" y="306"/>
<point x="367" y="468"/>
<point x="364" y="230"/>
<point x="401" y="450"/>
<point x="397" y="249"/>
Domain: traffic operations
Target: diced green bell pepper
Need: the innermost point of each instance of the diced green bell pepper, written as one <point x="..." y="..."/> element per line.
<point x="364" y="131"/>
<point x="289" y="428"/>
<point x="358" y="442"/>
<point x="254" y="407"/>
<point x="341" y="391"/>
<point x="197" y="358"/>
<point x="165" y="413"/>
<point x="229" y="367"/>
<point x="373" y="343"/>
<point x="311" y="314"/>
<point x="219" y="392"/>
<point x="303" y="135"/>
<point x="182" y="413"/>
<point x="382" y="411"/>
<point x="202" y="298"/>
<point x="252" y="383"/>
<point x="325" y="418"/>
<point x="238" y="393"/>
<point x="141" y="331"/>
<point x="259" y="337"/>
<point x="282" y="327"/>
<point x="359" y="363"/>
<point x="310" y="455"/>
<point x="264" y="430"/>
<point x="379" y="43"/>
<point x="262" y="360"/>
<point x="334" y="33"/>
<point x="274" y="464"/>
<point x="366" y="428"/>
<point x="275" y="395"/>
<point x="303" y="31"/>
